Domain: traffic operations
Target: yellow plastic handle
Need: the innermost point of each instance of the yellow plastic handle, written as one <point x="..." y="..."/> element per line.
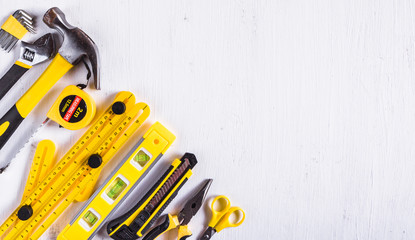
<point x="14" y="27"/>
<point x="184" y="232"/>
<point x="55" y="71"/>
<point x="173" y="223"/>
<point x="225" y="222"/>
<point x="220" y="206"/>
<point x="156" y="232"/>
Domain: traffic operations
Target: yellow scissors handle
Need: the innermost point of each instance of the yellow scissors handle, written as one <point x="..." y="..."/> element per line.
<point x="220" y="206"/>
<point x="225" y="221"/>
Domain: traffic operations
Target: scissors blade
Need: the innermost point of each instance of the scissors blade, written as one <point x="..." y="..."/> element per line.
<point x="208" y="234"/>
<point x="193" y="205"/>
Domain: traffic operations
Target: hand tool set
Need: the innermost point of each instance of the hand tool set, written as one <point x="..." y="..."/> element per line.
<point x="126" y="176"/>
<point x="134" y="223"/>
<point x="51" y="188"/>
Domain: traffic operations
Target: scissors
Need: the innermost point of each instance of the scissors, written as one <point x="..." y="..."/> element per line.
<point x="182" y="219"/>
<point x="221" y="216"/>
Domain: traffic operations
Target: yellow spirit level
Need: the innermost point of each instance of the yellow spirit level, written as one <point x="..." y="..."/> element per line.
<point x="126" y="176"/>
<point x="77" y="171"/>
<point x="136" y="222"/>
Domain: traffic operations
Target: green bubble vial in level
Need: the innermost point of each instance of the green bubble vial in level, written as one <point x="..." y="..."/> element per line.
<point x="141" y="158"/>
<point x="116" y="188"/>
<point x="90" y="218"/>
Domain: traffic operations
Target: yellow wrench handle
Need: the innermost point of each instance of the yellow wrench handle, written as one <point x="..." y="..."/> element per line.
<point x="55" y="71"/>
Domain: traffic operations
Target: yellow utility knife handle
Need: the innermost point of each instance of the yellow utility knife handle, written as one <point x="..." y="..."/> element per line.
<point x="55" y="71"/>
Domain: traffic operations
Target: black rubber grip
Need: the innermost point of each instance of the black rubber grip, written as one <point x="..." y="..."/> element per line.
<point x="10" y="78"/>
<point x="112" y="225"/>
<point x="185" y="237"/>
<point x="155" y="232"/>
<point x="8" y="125"/>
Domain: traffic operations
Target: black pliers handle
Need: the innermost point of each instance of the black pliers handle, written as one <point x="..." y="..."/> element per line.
<point x="170" y="222"/>
<point x="182" y="219"/>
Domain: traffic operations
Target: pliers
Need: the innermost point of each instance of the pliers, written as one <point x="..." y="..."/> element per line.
<point x="181" y="220"/>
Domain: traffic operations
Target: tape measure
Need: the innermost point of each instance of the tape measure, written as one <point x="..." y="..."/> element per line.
<point x="126" y="176"/>
<point x="137" y="221"/>
<point x="77" y="171"/>
<point x="74" y="109"/>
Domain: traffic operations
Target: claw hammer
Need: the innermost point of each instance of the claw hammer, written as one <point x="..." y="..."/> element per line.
<point x="75" y="47"/>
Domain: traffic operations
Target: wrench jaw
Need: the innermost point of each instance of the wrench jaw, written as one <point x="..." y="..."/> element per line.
<point x="41" y="50"/>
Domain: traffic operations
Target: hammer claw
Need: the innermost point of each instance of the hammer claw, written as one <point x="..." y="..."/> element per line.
<point x="76" y="45"/>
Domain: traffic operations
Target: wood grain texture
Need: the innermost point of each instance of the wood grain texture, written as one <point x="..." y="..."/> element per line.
<point x="301" y="111"/>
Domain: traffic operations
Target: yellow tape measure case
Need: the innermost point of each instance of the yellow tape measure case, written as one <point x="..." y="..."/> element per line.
<point x="74" y="109"/>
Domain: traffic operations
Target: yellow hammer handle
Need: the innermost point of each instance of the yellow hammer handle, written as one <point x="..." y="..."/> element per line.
<point x="55" y="71"/>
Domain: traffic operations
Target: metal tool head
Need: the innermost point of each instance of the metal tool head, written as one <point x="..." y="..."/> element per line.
<point x="193" y="205"/>
<point x="76" y="45"/>
<point x="25" y="19"/>
<point x="41" y="50"/>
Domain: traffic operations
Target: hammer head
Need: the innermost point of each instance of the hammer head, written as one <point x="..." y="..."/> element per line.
<point x="41" y="50"/>
<point x="76" y="44"/>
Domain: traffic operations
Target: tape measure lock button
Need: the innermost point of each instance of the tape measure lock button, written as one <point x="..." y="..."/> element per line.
<point x="74" y="109"/>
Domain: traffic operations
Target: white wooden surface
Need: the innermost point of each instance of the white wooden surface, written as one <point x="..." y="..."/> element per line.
<point x="303" y="112"/>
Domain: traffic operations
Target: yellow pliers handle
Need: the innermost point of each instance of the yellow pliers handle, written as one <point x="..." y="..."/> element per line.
<point x="170" y="222"/>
